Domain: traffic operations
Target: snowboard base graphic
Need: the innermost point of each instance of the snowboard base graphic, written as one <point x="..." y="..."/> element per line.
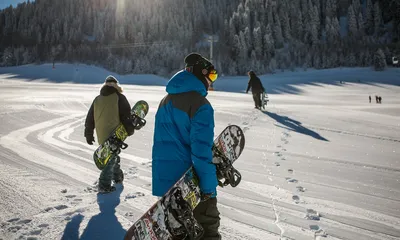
<point x="171" y="217"/>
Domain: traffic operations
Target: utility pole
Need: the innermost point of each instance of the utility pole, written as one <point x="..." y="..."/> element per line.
<point x="212" y="41"/>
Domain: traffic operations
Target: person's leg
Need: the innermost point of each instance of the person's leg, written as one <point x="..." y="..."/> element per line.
<point x="255" y="99"/>
<point x="259" y="100"/>
<point x="207" y="215"/>
<point x="106" y="176"/>
<point x="118" y="173"/>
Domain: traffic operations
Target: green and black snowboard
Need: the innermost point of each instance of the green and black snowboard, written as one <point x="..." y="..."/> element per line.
<point x="115" y="142"/>
<point x="171" y="217"/>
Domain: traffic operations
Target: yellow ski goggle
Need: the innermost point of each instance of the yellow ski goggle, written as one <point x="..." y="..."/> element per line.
<point x="212" y="75"/>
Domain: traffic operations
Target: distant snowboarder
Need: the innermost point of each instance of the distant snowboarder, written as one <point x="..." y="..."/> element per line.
<point x="256" y="88"/>
<point x="369" y="98"/>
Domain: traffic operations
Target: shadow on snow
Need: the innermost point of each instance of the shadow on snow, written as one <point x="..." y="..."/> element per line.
<point x="294" y="125"/>
<point x="102" y="226"/>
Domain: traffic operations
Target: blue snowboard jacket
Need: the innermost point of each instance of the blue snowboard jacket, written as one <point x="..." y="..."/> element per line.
<point x="183" y="135"/>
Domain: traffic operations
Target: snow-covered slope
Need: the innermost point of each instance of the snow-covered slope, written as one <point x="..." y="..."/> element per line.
<point x="322" y="163"/>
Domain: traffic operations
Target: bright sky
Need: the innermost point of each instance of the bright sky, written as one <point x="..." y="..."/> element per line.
<point x="7" y="3"/>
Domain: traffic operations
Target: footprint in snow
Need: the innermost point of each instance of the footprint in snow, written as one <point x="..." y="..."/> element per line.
<point x="296" y="199"/>
<point x="129" y="214"/>
<point x="61" y="207"/>
<point x="147" y="164"/>
<point x="277" y="164"/>
<point x="246" y="129"/>
<point x="14" y="229"/>
<point x="25" y="221"/>
<point x="314" y="227"/>
<point x="12" y="220"/>
<point x="290" y="170"/>
<point x="35" y="232"/>
<point x="134" y="195"/>
<point x="311" y="214"/>
<point x="286" y="134"/>
<point x="291" y="180"/>
<point x="301" y="189"/>
<point x="318" y="232"/>
<point x="284" y="140"/>
<point x="279" y="154"/>
<point x="16" y="224"/>
<point x="93" y="188"/>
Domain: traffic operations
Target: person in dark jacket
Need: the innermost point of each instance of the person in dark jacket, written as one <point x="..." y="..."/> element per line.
<point x="183" y="136"/>
<point x="256" y="88"/>
<point x="107" y="111"/>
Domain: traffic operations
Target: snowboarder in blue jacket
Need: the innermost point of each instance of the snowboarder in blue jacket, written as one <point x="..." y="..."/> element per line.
<point x="184" y="135"/>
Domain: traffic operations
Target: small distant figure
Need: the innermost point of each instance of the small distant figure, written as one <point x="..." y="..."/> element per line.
<point x="256" y="88"/>
<point x="376" y="99"/>
<point x="369" y="98"/>
<point x="380" y="99"/>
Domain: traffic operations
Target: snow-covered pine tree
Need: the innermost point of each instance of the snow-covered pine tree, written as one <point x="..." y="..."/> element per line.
<point x="379" y="60"/>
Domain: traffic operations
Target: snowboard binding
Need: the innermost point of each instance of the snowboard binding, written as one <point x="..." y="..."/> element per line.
<point x="225" y="170"/>
<point x="116" y="145"/>
<point x="180" y="220"/>
<point x="138" y="122"/>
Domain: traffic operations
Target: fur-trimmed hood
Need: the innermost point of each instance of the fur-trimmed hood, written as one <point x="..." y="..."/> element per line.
<point x="110" y="88"/>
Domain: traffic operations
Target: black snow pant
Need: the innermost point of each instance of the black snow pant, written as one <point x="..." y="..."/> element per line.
<point x="112" y="171"/>
<point x="207" y="215"/>
<point x="257" y="100"/>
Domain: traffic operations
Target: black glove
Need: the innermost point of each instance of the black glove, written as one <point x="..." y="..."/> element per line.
<point x="205" y="196"/>
<point x="90" y="139"/>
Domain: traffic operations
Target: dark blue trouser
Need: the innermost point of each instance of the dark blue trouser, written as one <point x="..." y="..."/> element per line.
<point x="112" y="171"/>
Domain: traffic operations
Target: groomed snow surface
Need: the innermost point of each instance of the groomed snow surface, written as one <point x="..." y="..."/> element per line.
<point x="320" y="162"/>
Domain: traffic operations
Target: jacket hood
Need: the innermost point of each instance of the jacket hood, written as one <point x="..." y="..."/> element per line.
<point x="184" y="81"/>
<point x="107" y="90"/>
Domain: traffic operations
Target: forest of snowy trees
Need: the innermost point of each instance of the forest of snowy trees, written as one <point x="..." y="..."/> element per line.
<point x="153" y="36"/>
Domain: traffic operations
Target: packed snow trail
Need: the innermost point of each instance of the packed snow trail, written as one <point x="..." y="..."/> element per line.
<point x="307" y="171"/>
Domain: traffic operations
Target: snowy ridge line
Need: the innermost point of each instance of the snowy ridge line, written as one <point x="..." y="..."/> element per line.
<point x="353" y="133"/>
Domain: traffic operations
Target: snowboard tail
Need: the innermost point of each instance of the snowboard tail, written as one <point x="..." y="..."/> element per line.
<point x="171" y="217"/>
<point x="264" y="100"/>
<point x="115" y="142"/>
